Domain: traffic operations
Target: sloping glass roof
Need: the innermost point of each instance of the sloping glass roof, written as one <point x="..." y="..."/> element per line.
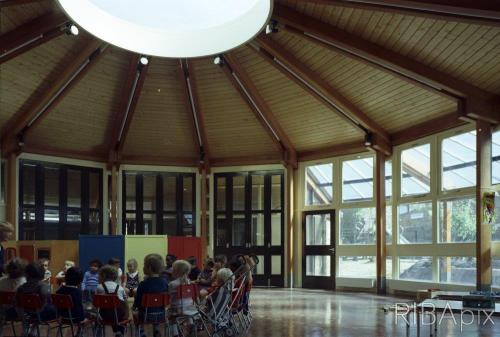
<point x="322" y="177"/>
<point x="357" y="179"/>
<point x="459" y="161"/>
<point x="416" y="170"/>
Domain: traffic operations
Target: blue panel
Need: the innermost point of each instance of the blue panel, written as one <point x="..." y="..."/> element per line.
<point x="102" y="247"/>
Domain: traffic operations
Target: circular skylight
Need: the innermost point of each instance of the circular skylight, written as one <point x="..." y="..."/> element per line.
<point x="171" y="28"/>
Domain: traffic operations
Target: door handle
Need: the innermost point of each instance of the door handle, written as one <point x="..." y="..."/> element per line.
<point x="227" y="245"/>
<point x="332" y="250"/>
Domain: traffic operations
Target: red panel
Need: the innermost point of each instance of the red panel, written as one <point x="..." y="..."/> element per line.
<point x="183" y="247"/>
<point x="27" y="252"/>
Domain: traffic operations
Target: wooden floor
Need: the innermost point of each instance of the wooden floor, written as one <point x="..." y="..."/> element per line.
<point x="312" y="313"/>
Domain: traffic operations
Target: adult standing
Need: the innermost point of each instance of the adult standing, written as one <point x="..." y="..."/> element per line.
<point x="6" y="230"/>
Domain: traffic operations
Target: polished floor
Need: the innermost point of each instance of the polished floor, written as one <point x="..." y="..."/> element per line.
<point x="314" y="313"/>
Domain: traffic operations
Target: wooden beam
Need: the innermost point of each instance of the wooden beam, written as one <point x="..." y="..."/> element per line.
<point x="427" y="128"/>
<point x="243" y="84"/>
<point x="380" y="223"/>
<point x="478" y="102"/>
<point x="11" y="193"/>
<point x="196" y="115"/>
<point x="58" y="152"/>
<point x="7" y="3"/>
<point x="114" y="198"/>
<point x="240" y="161"/>
<point x="329" y="95"/>
<point x="131" y="91"/>
<point x="43" y="104"/>
<point x="31" y="34"/>
<point x="482" y="12"/>
<point x="483" y="186"/>
<point x="158" y="160"/>
<point x="332" y="151"/>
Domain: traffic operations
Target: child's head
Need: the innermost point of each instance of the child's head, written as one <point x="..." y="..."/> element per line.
<point x="181" y="268"/>
<point x="132" y="265"/>
<point x="34" y="271"/>
<point x="153" y="264"/>
<point x="15" y="268"/>
<point x="236" y="262"/>
<point x="170" y="259"/>
<point x="192" y="261"/>
<point x="209" y="263"/>
<point x="68" y="264"/>
<point x="223" y="275"/>
<point x="220" y="261"/>
<point x="114" y="261"/>
<point x="44" y="263"/>
<point x="108" y="273"/>
<point x="95" y="265"/>
<point x="73" y="276"/>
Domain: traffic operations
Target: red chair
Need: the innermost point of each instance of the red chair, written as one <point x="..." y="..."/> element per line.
<point x="154" y="310"/>
<point x="32" y="306"/>
<point x="188" y="294"/>
<point x="108" y="307"/>
<point x="8" y="301"/>
<point x="64" y="305"/>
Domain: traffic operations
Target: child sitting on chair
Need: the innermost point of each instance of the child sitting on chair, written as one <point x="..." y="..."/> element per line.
<point x="152" y="284"/>
<point x="115" y="262"/>
<point x="71" y="287"/>
<point x="181" y="306"/>
<point x="46" y="272"/>
<point x="221" y="293"/>
<point x="60" y="276"/>
<point x="15" y="275"/>
<point x="35" y="285"/>
<point x="108" y="276"/>
<point x="206" y="276"/>
<point x="91" y="280"/>
<point x="132" y="278"/>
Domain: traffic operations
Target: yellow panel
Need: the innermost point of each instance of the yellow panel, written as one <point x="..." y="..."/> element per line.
<point x="138" y="246"/>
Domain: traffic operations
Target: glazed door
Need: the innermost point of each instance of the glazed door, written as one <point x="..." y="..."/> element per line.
<point x="318" y="261"/>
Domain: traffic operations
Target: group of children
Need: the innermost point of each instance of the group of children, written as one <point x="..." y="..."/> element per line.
<point x="159" y="277"/>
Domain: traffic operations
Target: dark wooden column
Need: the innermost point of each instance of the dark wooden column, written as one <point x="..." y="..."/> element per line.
<point x="204" y="218"/>
<point x="11" y="195"/>
<point x="483" y="185"/>
<point x="380" y="211"/>
<point x="114" y="197"/>
<point x="289" y="204"/>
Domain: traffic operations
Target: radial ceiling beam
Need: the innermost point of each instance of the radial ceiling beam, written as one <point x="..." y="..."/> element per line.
<point x="16" y="128"/>
<point x="479" y="104"/>
<point x="31" y="34"/>
<point x="378" y="137"/>
<point x="197" y="117"/>
<point x="470" y="11"/>
<point x="245" y="87"/>
<point x="7" y="3"/>
<point x="130" y="94"/>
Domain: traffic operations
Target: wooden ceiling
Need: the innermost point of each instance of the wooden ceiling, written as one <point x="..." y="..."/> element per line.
<point x="337" y="73"/>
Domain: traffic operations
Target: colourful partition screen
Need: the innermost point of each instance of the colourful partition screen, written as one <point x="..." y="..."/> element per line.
<point x="138" y="246"/>
<point x="185" y="246"/>
<point x="102" y="247"/>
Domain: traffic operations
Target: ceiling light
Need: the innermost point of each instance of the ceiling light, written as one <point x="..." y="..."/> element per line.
<point x="272" y="27"/>
<point x="219" y="60"/>
<point x="72" y="29"/>
<point x="368" y="140"/>
<point x="144" y="60"/>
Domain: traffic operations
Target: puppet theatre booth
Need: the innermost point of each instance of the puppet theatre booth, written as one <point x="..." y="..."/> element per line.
<point x="351" y="147"/>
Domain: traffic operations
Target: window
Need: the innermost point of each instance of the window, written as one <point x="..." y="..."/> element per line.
<point x="458" y="161"/>
<point x="388" y="225"/>
<point x="318" y="265"/>
<point x="319" y="184"/>
<point x="159" y="203"/>
<point x="460" y="270"/>
<point x="318" y="229"/>
<point x="415" y="170"/>
<point x="495" y="269"/>
<point x="495" y="228"/>
<point x="357" y="266"/>
<point x="357" y="179"/>
<point x="415" y="268"/>
<point x="495" y="160"/>
<point x="59" y="202"/>
<point x="457" y="220"/>
<point x="3" y="176"/>
<point x="388" y="267"/>
<point x="415" y="223"/>
<point x="357" y="226"/>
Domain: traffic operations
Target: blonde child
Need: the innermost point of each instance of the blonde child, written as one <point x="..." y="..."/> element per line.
<point x="180" y="306"/>
<point x="62" y="274"/>
<point x="152" y="284"/>
<point x="132" y="278"/>
<point x="221" y="293"/>
<point x="46" y="272"/>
